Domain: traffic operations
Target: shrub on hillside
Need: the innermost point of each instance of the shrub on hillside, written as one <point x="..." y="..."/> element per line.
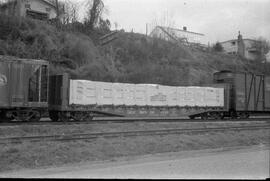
<point x="218" y="47"/>
<point x="36" y="39"/>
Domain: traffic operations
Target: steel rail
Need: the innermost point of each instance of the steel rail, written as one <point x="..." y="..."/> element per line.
<point x="89" y="136"/>
<point x="130" y="120"/>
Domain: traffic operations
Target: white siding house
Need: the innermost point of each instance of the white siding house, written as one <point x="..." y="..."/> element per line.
<point x="173" y="34"/>
<point x="37" y="9"/>
<point x="230" y="47"/>
<point x="247" y="48"/>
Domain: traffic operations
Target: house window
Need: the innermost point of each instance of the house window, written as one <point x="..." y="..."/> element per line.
<point x="233" y="43"/>
<point x="48" y="9"/>
<point x="27" y="6"/>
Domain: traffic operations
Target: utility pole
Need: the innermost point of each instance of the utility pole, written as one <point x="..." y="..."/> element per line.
<point x="57" y="9"/>
<point x="146" y="29"/>
<point x="57" y="14"/>
<point x="265" y="63"/>
<point x="265" y="66"/>
<point x="263" y="58"/>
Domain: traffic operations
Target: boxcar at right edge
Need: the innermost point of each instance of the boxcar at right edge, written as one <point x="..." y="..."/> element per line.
<point x="267" y="93"/>
<point x="250" y="93"/>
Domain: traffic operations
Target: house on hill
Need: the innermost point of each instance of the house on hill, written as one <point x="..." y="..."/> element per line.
<point x="267" y="57"/>
<point x="177" y="35"/>
<point x="36" y="9"/>
<point x="246" y="48"/>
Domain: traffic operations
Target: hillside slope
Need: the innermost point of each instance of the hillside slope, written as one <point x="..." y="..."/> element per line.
<point x="66" y="51"/>
<point x="138" y="59"/>
<point x="132" y="58"/>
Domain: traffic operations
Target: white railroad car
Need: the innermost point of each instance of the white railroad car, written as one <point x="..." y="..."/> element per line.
<point x="82" y="92"/>
<point x="212" y="96"/>
<point x="140" y="95"/>
<point x="199" y="93"/>
<point x="118" y="94"/>
<point x="129" y="94"/>
<point x="181" y="93"/>
<point x="142" y="100"/>
<point x="104" y="93"/>
<point x="156" y="96"/>
<point x="171" y="93"/>
<point x="189" y="96"/>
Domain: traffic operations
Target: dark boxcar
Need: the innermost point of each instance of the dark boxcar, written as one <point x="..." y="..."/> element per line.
<point x="59" y="92"/>
<point x="23" y="87"/>
<point x="267" y="93"/>
<point x="4" y="86"/>
<point x="249" y="92"/>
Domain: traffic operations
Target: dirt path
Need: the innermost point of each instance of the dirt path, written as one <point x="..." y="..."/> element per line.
<point x="237" y="162"/>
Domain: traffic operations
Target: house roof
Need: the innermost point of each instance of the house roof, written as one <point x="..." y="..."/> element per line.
<point x="175" y="29"/>
<point x="8" y="58"/>
<point x="49" y="3"/>
<point x="44" y="1"/>
<point x="237" y="39"/>
<point x="5" y="4"/>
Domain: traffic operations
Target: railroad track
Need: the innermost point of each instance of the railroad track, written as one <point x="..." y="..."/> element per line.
<point x="91" y="136"/>
<point x="126" y="120"/>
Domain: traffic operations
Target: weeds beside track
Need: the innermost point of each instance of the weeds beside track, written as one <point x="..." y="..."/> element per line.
<point x="127" y="120"/>
<point x="90" y="136"/>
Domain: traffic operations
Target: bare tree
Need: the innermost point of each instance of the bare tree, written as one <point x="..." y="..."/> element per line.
<point x="11" y="6"/>
<point x="218" y="47"/>
<point x="104" y="25"/>
<point x="95" y="9"/>
<point x="4" y="1"/>
<point x="166" y="20"/>
<point x="57" y="9"/>
<point x="74" y="12"/>
<point x="263" y="47"/>
<point x="70" y="11"/>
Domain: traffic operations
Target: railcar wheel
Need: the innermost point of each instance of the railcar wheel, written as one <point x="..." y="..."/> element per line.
<point x="23" y="115"/>
<point x="90" y="117"/>
<point x="36" y="117"/>
<point x="204" y="116"/>
<point x="64" y="117"/>
<point x="79" y="116"/>
<point x="233" y="115"/>
<point x="217" y="115"/>
<point x="53" y="116"/>
<point x="4" y="118"/>
<point x="243" y="115"/>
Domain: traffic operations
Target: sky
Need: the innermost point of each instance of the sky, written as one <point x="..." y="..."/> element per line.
<point x="218" y="20"/>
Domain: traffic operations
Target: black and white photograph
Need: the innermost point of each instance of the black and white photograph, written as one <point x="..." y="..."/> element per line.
<point x="135" y="89"/>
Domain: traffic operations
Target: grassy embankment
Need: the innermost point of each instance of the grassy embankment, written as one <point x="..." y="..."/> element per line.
<point x="132" y="58"/>
<point x="49" y="154"/>
<point x="39" y="130"/>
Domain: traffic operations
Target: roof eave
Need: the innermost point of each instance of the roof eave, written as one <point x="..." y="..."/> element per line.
<point x="181" y="30"/>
